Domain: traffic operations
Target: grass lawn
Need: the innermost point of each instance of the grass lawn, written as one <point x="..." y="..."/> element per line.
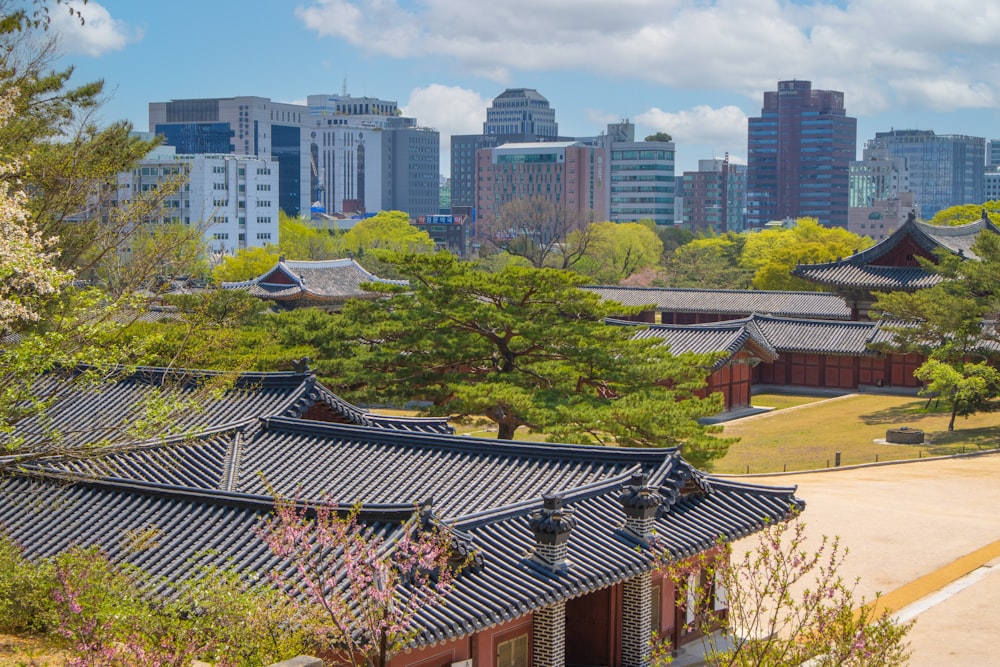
<point x="807" y="435"/>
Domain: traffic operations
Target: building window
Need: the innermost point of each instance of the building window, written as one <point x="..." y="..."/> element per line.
<point x="513" y="652"/>
<point x="263" y="236"/>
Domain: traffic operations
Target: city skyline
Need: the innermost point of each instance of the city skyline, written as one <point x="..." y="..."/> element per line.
<point x="696" y="70"/>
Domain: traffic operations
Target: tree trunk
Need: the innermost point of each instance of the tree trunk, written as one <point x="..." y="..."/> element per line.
<point x="505" y="430"/>
<point x="951" y="422"/>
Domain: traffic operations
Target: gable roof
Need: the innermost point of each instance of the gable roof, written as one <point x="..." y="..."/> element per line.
<point x="323" y="282"/>
<point x="208" y="404"/>
<point x="485" y="490"/>
<point x="768" y="336"/>
<point x="865" y="270"/>
<point x="728" y="337"/>
<point x="815" y="305"/>
<point x="205" y="493"/>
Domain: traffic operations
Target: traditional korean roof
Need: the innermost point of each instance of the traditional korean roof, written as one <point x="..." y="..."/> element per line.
<point x="767" y="336"/>
<point x="327" y="282"/>
<point x="872" y="269"/>
<point x="82" y="413"/>
<point x="485" y="490"/>
<point x="729" y="337"/>
<point x="158" y="504"/>
<point x="815" y="305"/>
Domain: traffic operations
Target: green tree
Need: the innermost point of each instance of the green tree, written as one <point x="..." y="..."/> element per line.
<point x="299" y="239"/>
<point x="673" y="237"/>
<point x="659" y="136"/>
<point x="523" y="348"/>
<point x="772" y="253"/>
<point x="954" y="325"/>
<point x="53" y="165"/>
<point x="966" y="213"/>
<point x="709" y="263"/>
<point x="386" y="230"/>
<point x="245" y="264"/>
<point x="615" y="251"/>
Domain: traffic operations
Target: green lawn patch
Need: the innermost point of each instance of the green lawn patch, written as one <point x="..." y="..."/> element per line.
<point x="808" y="435"/>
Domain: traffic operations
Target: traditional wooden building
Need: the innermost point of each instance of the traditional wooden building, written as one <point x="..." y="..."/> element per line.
<point x="893" y="263"/>
<point x="740" y="344"/>
<point x="564" y="571"/>
<point x="790" y="352"/>
<point x="327" y="284"/>
<point x="699" y="306"/>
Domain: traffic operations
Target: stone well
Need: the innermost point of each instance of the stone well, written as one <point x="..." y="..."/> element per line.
<point x="904" y="435"/>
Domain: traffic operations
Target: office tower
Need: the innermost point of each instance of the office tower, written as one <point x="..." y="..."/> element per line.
<point x="799" y="152"/>
<point x="329" y="152"/>
<point x="517" y="115"/>
<point x="232" y="197"/>
<point x="635" y="179"/>
<point x="945" y="169"/>
<point x="714" y="197"/>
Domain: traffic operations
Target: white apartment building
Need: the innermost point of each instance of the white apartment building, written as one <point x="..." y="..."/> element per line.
<point x="234" y="198"/>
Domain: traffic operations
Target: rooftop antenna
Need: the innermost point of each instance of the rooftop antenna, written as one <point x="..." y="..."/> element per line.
<point x="343" y="88"/>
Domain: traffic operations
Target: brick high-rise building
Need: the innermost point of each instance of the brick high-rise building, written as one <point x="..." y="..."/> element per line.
<point x="799" y="153"/>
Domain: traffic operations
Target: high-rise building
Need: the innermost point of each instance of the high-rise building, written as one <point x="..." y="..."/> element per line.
<point x="798" y="156"/>
<point x="329" y="152"/>
<point x="877" y="176"/>
<point x="635" y="179"/>
<point x="880" y="199"/>
<point x="993" y="153"/>
<point x="233" y="198"/>
<point x="991" y="184"/>
<point x="714" y="197"/>
<point x="562" y="172"/>
<point x="945" y="169"/>
<point x="517" y="115"/>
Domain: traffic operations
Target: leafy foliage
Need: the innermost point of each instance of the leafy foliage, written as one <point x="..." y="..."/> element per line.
<point x="954" y="324"/>
<point x="966" y="213"/>
<point x="522" y="347"/>
<point x="245" y="264"/>
<point x="709" y="263"/>
<point x="615" y="251"/>
<point x="771" y="254"/>
<point x="106" y="615"/>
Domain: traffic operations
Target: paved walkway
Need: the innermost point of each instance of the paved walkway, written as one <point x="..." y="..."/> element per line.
<point x="914" y="533"/>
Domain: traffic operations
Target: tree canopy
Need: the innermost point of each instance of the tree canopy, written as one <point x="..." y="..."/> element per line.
<point x="966" y="213"/>
<point x="659" y="136"/>
<point x="954" y="325"/>
<point x="522" y="347"/>
<point x="771" y="254"/>
<point x="538" y="230"/>
<point x="615" y="251"/>
<point x="74" y="271"/>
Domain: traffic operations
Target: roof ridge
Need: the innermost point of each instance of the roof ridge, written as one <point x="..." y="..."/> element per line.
<point x="468" y="443"/>
<point x="574" y="494"/>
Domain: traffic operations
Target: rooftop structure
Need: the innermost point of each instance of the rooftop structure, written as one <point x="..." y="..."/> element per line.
<point x="327" y="284"/>
<point x="212" y="495"/>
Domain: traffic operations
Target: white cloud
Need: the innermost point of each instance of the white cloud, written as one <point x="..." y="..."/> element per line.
<point x="724" y="127"/>
<point x="881" y="53"/>
<point x="98" y="34"/>
<point x="448" y="109"/>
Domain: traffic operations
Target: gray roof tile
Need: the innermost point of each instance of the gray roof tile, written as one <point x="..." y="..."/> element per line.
<point x="816" y="305"/>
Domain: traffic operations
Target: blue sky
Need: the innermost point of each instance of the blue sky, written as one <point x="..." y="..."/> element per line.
<point x="694" y="68"/>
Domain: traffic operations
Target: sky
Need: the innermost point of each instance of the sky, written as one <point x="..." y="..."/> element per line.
<point x="696" y="69"/>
